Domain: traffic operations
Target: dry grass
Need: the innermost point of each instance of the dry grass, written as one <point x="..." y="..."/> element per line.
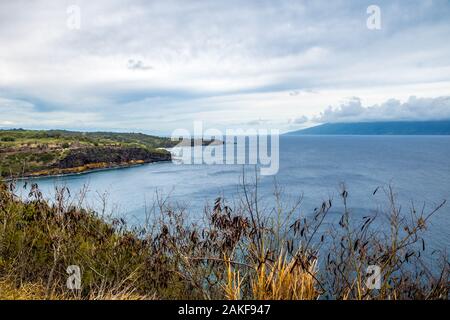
<point x="284" y="280"/>
<point x="234" y="282"/>
<point x="38" y="291"/>
<point x="25" y="291"/>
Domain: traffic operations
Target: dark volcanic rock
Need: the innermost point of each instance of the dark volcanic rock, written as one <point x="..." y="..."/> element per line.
<point x="81" y="157"/>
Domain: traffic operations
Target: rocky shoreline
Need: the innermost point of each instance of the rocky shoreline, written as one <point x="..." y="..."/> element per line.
<point x="79" y="171"/>
<point x="85" y="160"/>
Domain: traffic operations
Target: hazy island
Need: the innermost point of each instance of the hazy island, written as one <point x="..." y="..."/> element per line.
<point x="379" y="128"/>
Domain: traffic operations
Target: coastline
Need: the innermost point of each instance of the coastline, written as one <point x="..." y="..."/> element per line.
<point x="81" y="172"/>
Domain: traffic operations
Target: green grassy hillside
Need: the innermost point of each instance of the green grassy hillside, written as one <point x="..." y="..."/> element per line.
<point x="29" y="152"/>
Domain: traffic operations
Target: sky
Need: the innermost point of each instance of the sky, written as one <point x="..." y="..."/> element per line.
<point x="157" y="66"/>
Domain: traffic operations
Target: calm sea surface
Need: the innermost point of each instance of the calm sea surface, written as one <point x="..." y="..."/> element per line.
<point x="418" y="168"/>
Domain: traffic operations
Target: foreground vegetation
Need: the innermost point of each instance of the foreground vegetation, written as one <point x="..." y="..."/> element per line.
<point x="247" y="251"/>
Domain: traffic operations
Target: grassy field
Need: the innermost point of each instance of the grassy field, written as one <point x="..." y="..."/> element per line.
<point x="239" y="252"/>
<point x="25" y="152"/>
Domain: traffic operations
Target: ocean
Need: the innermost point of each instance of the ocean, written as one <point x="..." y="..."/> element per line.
<point x="314" y="167"/>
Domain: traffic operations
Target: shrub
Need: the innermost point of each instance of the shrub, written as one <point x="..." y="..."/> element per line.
<point x="45" y="157"/>
<point x="7" y="139"/>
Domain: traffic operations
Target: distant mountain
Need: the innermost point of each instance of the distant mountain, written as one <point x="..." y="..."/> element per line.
<point x="379" y="128"/>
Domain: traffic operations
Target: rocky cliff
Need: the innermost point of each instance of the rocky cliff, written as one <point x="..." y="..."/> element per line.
<point x="110" y="155"/>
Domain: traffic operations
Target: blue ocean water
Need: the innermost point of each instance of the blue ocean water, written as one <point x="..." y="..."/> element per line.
<point x="417" y="167"/>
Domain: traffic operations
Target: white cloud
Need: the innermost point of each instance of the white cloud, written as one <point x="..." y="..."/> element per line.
<point x="300" y="120"/>
<point x="20" y="113"/>
<point x="6" y="123"/>
<point x="138" y="65"/>
<point x="413" y="109"/>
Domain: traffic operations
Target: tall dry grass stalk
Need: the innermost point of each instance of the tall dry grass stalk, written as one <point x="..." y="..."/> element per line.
<point x="284" y="280"/>
<point x="234" y="282"/>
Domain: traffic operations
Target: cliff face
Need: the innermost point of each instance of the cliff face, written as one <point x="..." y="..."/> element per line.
<point x="111" y="155"/>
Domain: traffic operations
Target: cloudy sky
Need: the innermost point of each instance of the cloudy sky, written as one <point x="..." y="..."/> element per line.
<point x="155" y="66"/>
